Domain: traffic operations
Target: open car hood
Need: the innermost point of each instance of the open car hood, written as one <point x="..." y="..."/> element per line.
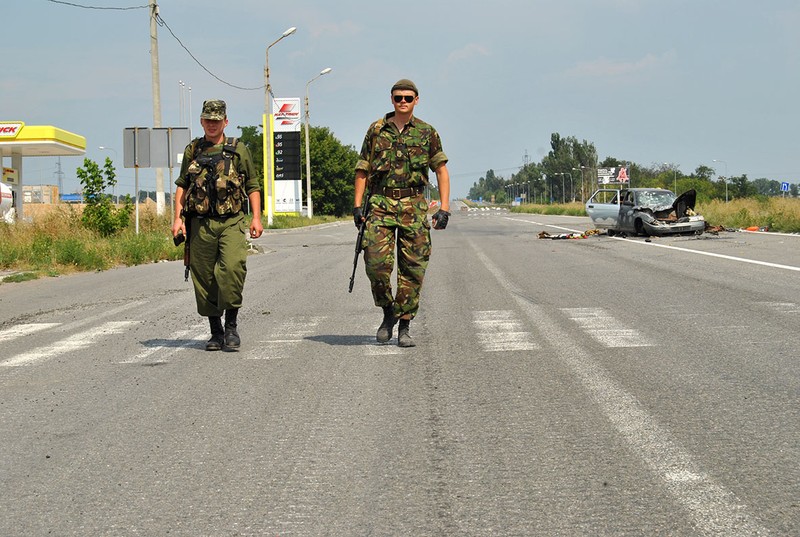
<point x="684" y="202"/>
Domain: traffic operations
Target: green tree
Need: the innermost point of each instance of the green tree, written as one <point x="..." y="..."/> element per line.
<point x="99" y="214"/>
<point x="254" y="140"/>
<point x="332" y="171"/>
<point x="740" y="187"/>
<point x="767" y="187"/>
<point x="704" y="172"/>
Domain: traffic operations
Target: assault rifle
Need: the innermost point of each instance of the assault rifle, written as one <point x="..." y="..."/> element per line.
<point x="376" y="127"/>
<point x="186" y="255"/>
<point x="360" y="238"/>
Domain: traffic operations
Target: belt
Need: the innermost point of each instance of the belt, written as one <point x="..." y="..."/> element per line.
<point x="398" y="193"/>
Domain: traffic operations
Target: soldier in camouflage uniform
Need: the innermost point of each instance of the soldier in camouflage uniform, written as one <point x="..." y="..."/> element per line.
<point x="397" y="152"/>
<point x="216" y="178"/>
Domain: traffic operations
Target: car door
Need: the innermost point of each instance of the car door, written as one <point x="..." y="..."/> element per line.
<point x="627" y="216"/>
<point x="603" y="208"/>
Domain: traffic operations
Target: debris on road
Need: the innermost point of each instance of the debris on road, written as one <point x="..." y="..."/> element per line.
<point x="587" y="233"/>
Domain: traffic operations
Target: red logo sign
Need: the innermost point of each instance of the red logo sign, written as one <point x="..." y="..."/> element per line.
<point x="10" y="130"/>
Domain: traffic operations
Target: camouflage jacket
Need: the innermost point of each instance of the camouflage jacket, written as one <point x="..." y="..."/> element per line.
<point x="401" y="159"/>
<point x="209" y="189"/>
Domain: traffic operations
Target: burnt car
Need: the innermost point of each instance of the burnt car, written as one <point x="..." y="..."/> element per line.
<point x="645" y="211"/>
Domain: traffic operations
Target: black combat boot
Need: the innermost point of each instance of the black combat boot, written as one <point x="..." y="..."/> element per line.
<point x="385" y="329"/>
<point x="232" y="340"/>
<point x="216" y="341"/>
<point x="403" y="337"/>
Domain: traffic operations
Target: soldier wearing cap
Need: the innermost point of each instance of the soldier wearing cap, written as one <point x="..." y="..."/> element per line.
<point x="397" y="152"/>
<point x="217" y="178"/>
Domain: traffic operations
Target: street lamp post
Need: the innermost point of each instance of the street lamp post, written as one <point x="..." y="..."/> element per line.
<point x="308" y="148"/>
<point x="726" y="177"/>
<point x="674" y="176"/>
<point x="563" y="188"/>
<point x="268" y="126"/>
<point x="581" y="171"/>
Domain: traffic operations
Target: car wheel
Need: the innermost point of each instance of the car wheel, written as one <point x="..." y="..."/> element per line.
<point x="610" y="232"/>
<point x="640" y="230"/>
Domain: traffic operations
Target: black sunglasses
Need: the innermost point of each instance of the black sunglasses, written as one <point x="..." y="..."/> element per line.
<point x="406" y="98"/>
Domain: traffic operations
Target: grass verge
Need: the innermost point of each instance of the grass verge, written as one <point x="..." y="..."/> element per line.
<point x="57" y="243"/>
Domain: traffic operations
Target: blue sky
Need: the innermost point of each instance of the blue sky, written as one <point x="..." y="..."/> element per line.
<point x="649" y="81"/>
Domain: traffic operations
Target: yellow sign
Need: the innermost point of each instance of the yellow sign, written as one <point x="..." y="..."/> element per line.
<point x="10" y="176"/>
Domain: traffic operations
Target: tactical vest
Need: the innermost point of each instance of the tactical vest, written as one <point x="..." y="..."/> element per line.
<point x="215" y="186"/>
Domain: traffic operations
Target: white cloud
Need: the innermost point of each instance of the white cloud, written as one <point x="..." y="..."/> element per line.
<point x="604" y="67"/>
<point x="467" y="52"/>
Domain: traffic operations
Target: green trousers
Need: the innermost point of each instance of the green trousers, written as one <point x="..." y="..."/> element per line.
<point x="218" y="263"/>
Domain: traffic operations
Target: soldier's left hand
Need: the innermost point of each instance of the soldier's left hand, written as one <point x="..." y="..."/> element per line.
<point x="440" y="219"/>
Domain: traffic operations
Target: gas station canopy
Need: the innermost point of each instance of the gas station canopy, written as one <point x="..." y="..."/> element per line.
<point x="18" y="139"/>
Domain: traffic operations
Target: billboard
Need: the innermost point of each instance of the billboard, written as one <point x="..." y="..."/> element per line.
<point x="612" y="176"/>
<point x="286" y="155"/>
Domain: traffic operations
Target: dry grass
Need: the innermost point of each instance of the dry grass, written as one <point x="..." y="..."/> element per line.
<point x="775" y="214"/>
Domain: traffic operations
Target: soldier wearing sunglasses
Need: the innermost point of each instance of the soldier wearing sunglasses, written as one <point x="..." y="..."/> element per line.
<point x="397" y="153"/>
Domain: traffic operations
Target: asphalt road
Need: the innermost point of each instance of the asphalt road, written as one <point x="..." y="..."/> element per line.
<point x="598" y="386"/>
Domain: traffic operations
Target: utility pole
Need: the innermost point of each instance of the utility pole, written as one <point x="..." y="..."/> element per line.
<point x="156" y="100"/>
<point x="60" y="175"/>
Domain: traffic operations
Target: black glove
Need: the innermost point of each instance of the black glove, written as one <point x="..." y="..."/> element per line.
<point x="358" y="216"/>
<point x="440" y="219"/>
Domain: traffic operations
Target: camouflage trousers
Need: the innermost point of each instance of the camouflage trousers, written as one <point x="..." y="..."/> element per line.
<point x="401" y="224"/>
<point x="218" y="263"/>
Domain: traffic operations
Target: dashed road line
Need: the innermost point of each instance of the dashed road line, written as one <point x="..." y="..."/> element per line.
<point x="24" y="329"/>
<point x="715" y="510"/>
<point x="501" y="330"/>
<point x="290" y="333"/>
<point x="78" y="341"/>
<point x="606" y="329"/>
<point x="183" y="339"/>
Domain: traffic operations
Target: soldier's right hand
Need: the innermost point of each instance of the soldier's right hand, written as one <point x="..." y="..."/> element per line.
<point x="178" y="227"/>
<point x="358" y="216"/>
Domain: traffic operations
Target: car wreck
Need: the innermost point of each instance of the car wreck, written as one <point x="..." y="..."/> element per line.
<point x="645" y="211"/>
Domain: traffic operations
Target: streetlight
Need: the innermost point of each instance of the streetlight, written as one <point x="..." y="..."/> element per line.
<point x="563" y="194"/>
<point x="580" y="170"/>
<point x="726" y="177"/>
<point x="674" y="176"/>
<point x="181" y="114"/>
<point x="268" y="126"/>
<point x="308" y="150"/>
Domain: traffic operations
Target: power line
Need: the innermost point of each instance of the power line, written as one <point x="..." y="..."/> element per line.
<point x="97" y="7"/>
<point x="162" y="22"/>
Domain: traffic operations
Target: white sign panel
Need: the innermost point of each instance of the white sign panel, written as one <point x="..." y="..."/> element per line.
<point x="288" y="197"/>
<point x="287" y="114"/>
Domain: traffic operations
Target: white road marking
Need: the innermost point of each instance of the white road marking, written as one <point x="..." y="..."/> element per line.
<point x="190" y="337"/>
<point x="72" y="343"/>
<point x="23" y="330"/>
<point x="291" y="333"/>
<point x="371" y="348"/>
<point x="678" y="248"/>
<point x="781" y="307"/>
<point x="715" y="510"/>
<point x="500" y="330"/>
<point x="604" y="328"/>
